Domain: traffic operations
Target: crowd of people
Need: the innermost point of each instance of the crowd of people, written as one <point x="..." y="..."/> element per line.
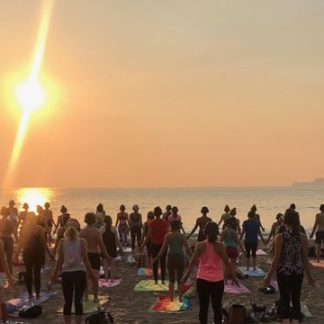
<point x="80" y="252"/>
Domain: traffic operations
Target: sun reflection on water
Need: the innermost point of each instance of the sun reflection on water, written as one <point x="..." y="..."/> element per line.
<point x="34" y="196"/>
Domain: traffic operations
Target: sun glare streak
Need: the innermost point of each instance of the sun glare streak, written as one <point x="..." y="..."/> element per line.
<point x="29" y="94"/>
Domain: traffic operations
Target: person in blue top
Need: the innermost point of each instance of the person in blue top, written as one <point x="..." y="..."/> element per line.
<point x="251" y="231"/>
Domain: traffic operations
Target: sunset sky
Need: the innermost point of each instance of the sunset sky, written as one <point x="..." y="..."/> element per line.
<point x="168" y="93"/>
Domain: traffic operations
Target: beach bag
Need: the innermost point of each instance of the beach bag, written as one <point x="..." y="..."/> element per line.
<point x="100" y="317"/>
<point x="236" y="314"/>
<point x="30" y="312"/>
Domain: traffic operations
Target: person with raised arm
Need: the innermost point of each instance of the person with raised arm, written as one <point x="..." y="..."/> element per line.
<point x="201" y="222"/>
<point x="225" y="216"/>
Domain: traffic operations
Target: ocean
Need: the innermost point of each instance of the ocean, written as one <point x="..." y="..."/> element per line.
<point x="269" y="201"/>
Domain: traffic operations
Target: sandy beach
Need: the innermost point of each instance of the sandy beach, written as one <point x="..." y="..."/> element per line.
<point x="128" y="306"/>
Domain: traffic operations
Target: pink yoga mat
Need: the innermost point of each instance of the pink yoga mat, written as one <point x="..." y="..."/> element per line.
<point x="233" y="289"/>
<point x="109" y="283"/>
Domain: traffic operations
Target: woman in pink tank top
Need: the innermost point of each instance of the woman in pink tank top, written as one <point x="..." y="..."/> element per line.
<point x="210" y="277"/>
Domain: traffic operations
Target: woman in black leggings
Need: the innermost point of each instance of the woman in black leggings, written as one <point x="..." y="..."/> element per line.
<point x="290" y="261"/>
<point x="73" y="258"/>
<point x="34" y="246"/>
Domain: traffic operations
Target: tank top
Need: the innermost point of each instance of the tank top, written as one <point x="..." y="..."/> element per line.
<point x="229" y="238"/>
<point x="32" y="242"/>
<point x="290" y="262"/>
<point x="135" y="220"/>
<point x="72" y="256"/>
<point x="176" y="244"/>
<point x="210" y="265"/>
<point x="108" y="237"/>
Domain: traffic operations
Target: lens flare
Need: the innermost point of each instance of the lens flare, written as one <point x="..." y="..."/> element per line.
<point x="30" y="94"/>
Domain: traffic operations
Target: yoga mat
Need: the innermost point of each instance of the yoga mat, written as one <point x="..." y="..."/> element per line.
<point x="165" y="305"/>
<point x="233" y="289"/>
<point x="261" y="252"/>
<point x="16" y="303"/>
<point x="315" y="264"/>
<point x="149" y="285"/>
<point x="258" y="273"/>
<point x="109" y="283"/>
<point x="90" y="306"/>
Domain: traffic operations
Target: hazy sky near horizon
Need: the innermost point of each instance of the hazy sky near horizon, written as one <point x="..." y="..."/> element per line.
<point x="169" y="93"/>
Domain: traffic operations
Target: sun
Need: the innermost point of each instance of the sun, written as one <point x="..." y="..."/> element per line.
<point x="30" y="96"/>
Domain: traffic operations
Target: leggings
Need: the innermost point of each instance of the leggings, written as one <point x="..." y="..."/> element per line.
<point x="8" y="246"/>
<point x="205" y="289"/>
<point x="33" y="263"/>
<point x="74" y="281"/>
<point x="155" y="251"/>
<point x="176" y="263"/>
<point x="290" y="291"/>
<point x="136" y="232"/>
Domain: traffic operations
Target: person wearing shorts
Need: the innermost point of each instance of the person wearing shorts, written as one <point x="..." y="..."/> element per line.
<point x="319" y="228"/>
<point x="230" y="239"/>
<point x="96" y="248"/>
<point x="251" y="231"/>
<point x="175" y="242"/>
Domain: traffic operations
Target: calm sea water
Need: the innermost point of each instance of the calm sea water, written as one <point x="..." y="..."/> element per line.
<point x="269" y="201"/>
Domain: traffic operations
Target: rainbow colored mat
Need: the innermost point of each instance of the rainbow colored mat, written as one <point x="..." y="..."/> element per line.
<point x="165" y="305"/>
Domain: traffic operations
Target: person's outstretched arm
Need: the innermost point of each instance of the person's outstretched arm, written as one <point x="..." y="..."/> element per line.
<point x="193" y="231"/>
<point x="315" y="226"/>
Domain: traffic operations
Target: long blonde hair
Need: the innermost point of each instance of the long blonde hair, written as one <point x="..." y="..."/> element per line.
<point x="71" y="233"/>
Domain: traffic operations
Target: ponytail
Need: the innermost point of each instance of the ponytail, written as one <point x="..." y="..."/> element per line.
<point x="212" y="232"/>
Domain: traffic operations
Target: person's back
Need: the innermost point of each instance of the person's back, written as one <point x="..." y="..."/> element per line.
<point x="91" y="235"/>
<point x="229" y="239"/>
<point x="176" y="244"/>
<point x="72" y="255"/>
<point x="251" y="228"/>
<point x="210" y="264"/>
<point x="291" y="262"/>
<point x="159" y="227"/>
<point x="135" y="220"/>
<point x="320" y="219"/>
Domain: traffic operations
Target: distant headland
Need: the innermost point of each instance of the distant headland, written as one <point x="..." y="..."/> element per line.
<point x="318" y="182"/>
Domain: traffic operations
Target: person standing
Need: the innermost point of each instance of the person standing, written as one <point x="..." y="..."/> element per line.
<point x="231" y="242"/>
<point x="176" y="217"/>
<point x="34" y="246"/>
<point x="122" y="223"/>
<point x="225" y="216"/>
<point x="150" y="217"/>
<point x="7" y="231"/>
<point x="13" y="217"/>
<point x="73" y="260"/>
<point x="4" y="269"/>
<point x="257" y="216"/>
<point x="319" y="229"/>
<point x="275" y="227"/>
<point x="96" y="248"/>
<point x="100" y="216"/>
<point x="59" y="222"/>
<point x="251" y="230"/>
<point x="135" y="226"/>
<point x="48" y="215"/>
<point x="201" y="222"/>
<point x="175" y="243"/>
<point x="210" y="277"/>
<point x="167" y="212"/>
<point x="157" y="229"/>
<point x="111" y="241"/>
<point x="290" y="261"/>
<point x="22" y="216"/>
